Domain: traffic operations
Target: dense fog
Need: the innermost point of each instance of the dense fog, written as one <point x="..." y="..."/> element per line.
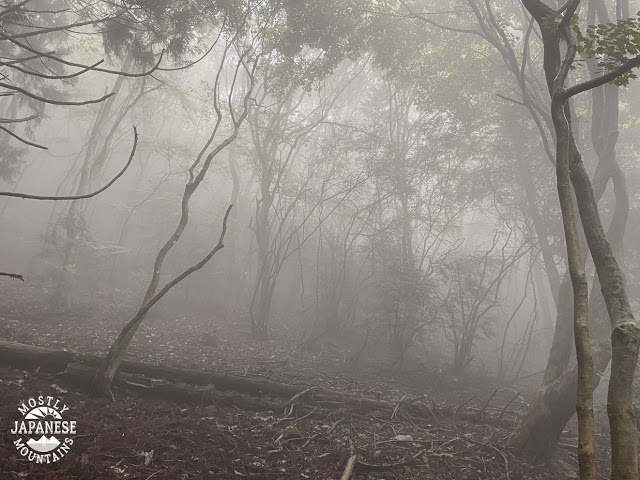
<point x="377" y="181"/>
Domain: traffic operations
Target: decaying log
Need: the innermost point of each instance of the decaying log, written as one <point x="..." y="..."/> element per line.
<point x="29" y="356"/>
<point x="178" y="391"/>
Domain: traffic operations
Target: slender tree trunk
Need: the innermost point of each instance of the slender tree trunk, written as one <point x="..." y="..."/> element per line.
<point x="261" y="306"/>
<point x="561" y="349"/>
<point x="584" y="404"/>
<point x="625" y="336"/>
<point x="108" y="368"/>
<point x="196" y="174"/>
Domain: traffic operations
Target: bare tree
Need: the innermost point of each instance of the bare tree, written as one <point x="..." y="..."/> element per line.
<point x="231" y="103"/>
<point x="290" y="194"/>
<point x="473" y="286"/>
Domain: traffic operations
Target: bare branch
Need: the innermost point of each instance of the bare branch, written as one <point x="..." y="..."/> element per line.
<point x="12" y="275"/>
<point x="511" y="100"/>
<point x="51" y="77"/>
<point x="193" y="268"/>
<point x="17" y="120"/>
<point x="54" y="102"/>
<point x="26" y="142"/>
<point x="80" y="65"/>
<point x="87" y="195"/>
<point x="416" y="15"/>
<point x="14" y="8"/>
<point x="43" y="31"/>
<point x="26" y="59"/>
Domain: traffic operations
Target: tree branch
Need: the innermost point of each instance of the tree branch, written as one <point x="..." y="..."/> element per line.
<point x="80" y="65"/>
<point x="12" y="275"/>
<point x="538" y="9"/>
<point x="17" y="120"/>
<point x="53" y="102"/>
<point x="27" y="142"/>
<point x="87" y="195"/>
<point x="13" y="8"/>
<point x="571" y="7"/>
<point x="606" y="78"/>
<point x="416" y="15"/>
<point x="51" y="77"/>
<point x="510" y="100"/>
<point x="193" y="268"/>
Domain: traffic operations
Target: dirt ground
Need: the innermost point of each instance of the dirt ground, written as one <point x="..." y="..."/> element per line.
<point x="460" y="433"/>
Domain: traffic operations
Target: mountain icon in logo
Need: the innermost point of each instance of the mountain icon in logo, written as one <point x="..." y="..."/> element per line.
<point x="43" y="444"/>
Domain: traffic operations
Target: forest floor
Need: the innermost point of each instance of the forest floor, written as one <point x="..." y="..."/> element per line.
<point x="460" y="435"/>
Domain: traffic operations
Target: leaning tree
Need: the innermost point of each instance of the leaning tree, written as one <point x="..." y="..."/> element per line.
<point x="241" y="45"/>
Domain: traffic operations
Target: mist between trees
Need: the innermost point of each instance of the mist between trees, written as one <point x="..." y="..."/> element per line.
<point x="384" y="173"/>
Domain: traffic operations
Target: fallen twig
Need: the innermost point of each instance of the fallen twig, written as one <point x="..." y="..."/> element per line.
<point x="300" y="394"/>
<point x="395" y="410"/>
<point x="309" y="440"/>
<point x="348" y="469"/>
<point x="362" y="467"/>
<point x="507" y="405"/>
<point x="334" y="425"/>
<point x="484" y="407"/>
<point x="464" y="404"/>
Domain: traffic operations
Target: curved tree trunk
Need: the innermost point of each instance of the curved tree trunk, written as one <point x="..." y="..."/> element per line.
<point x="108" y="368"/>
<point x="197" y="173"/>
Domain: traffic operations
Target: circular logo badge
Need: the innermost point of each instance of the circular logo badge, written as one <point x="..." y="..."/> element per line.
<point x="43" y="435"/>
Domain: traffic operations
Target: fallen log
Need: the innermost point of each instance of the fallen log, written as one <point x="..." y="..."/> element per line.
<point x="30" y="356"/>
<point x="81" y="375"/>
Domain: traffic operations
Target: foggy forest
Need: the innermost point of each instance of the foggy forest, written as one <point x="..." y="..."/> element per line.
<point x="331" y="239"/>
